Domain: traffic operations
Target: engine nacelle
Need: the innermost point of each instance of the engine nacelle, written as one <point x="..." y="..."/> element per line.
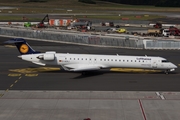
<point x="46" y="57"/>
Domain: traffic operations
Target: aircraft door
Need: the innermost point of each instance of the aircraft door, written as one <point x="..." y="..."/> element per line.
<point x="154" y="63"/>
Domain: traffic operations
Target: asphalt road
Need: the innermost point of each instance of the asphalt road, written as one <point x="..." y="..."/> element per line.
<point x="15" y="75"/>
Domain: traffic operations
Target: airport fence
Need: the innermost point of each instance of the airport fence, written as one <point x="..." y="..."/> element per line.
<point x="92" y="39"/>
<point x="89" y="39"/>
<point x="160" y="44"/>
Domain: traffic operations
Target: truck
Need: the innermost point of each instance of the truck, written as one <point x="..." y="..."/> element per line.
<point x="174" y="31"/>
<point x="110" y="24"/>
<point x="157" y="25"/>
<point x="80" y="25"/>
<point x="158" y="32"/>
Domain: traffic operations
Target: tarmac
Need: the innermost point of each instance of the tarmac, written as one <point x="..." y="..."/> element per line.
<point x="96" y="105"/>
<point x="32" y="92"/>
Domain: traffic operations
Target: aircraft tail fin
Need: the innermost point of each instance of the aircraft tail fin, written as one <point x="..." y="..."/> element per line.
<point x="22" y="46"/>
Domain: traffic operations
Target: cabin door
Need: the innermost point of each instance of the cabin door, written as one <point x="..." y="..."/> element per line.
<point x="154" y="63"/>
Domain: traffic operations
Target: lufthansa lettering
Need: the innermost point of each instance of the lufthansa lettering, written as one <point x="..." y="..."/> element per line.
<point x="143" y="58"/>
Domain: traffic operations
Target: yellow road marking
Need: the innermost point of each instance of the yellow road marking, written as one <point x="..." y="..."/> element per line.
<point x="7" y="90"/>
<point x="19" y="77"/>
<point x="178" y="64"/>
<point x="14" y="75"/>
<point x="11" y="85"/>
<point x="33" y="70"/>
<point x="31" y="75"/>
<point x="16" y="81"/>
<point x="12" y="46"/>
<point x="133" y="70"/>
<point x="1" y="95"/>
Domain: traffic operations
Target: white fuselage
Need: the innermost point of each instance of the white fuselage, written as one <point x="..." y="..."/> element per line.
<point x="85" y="62"/>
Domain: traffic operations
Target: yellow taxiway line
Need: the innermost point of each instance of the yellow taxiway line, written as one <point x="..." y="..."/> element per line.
<point x="34" y="70"/>
<point x="133" y="70"/>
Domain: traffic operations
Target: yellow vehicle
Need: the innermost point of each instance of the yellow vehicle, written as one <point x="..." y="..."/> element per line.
<point x="121" y="30"/>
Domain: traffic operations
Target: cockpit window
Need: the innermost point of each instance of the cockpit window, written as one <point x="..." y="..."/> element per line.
<point x="163" y="61"/>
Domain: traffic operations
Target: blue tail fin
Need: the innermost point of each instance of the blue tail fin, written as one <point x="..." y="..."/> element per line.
<point x="22" y="46"/>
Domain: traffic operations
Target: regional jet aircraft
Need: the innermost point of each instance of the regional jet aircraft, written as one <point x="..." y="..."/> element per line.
<point x="90" y="62"/>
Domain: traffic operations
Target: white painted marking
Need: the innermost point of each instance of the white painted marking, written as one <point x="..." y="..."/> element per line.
<point x="157" y="93"/>
<point x="162" y="97"/>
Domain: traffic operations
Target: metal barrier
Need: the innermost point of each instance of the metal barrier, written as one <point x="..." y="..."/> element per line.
<point x="152" y="44"/>
<point x="89" y="39"/>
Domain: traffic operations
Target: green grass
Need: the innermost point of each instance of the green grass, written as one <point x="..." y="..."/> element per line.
<point x="116" y="17"/>
<point x="61" y="6"/>
<point x="75" y="5"/>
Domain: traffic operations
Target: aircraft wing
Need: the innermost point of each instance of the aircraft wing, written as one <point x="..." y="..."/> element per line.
<point x="81" y="67"/>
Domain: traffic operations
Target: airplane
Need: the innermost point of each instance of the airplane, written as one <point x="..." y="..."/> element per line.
<point x="89" y="62"/>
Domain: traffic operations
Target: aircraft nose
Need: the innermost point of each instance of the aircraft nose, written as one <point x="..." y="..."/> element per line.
<point x="174" y="66"/>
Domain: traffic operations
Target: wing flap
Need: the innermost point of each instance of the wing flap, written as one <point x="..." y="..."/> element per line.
<point x="81" y="67"/>
<point x="38" y="63"/>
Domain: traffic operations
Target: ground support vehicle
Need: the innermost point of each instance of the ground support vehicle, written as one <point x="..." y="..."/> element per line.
<point x="174" y="31"/>
<point x="158" y="32"/>
<point x="41" y="24"/>
<point x="27" y="24"/>
<point x="157" y="25"/>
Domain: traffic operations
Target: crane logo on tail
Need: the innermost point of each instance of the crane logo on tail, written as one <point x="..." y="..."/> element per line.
<point x="24" y="48"/>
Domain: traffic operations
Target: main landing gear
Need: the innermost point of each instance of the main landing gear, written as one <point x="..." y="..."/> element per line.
<point x="166" y="72"/>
